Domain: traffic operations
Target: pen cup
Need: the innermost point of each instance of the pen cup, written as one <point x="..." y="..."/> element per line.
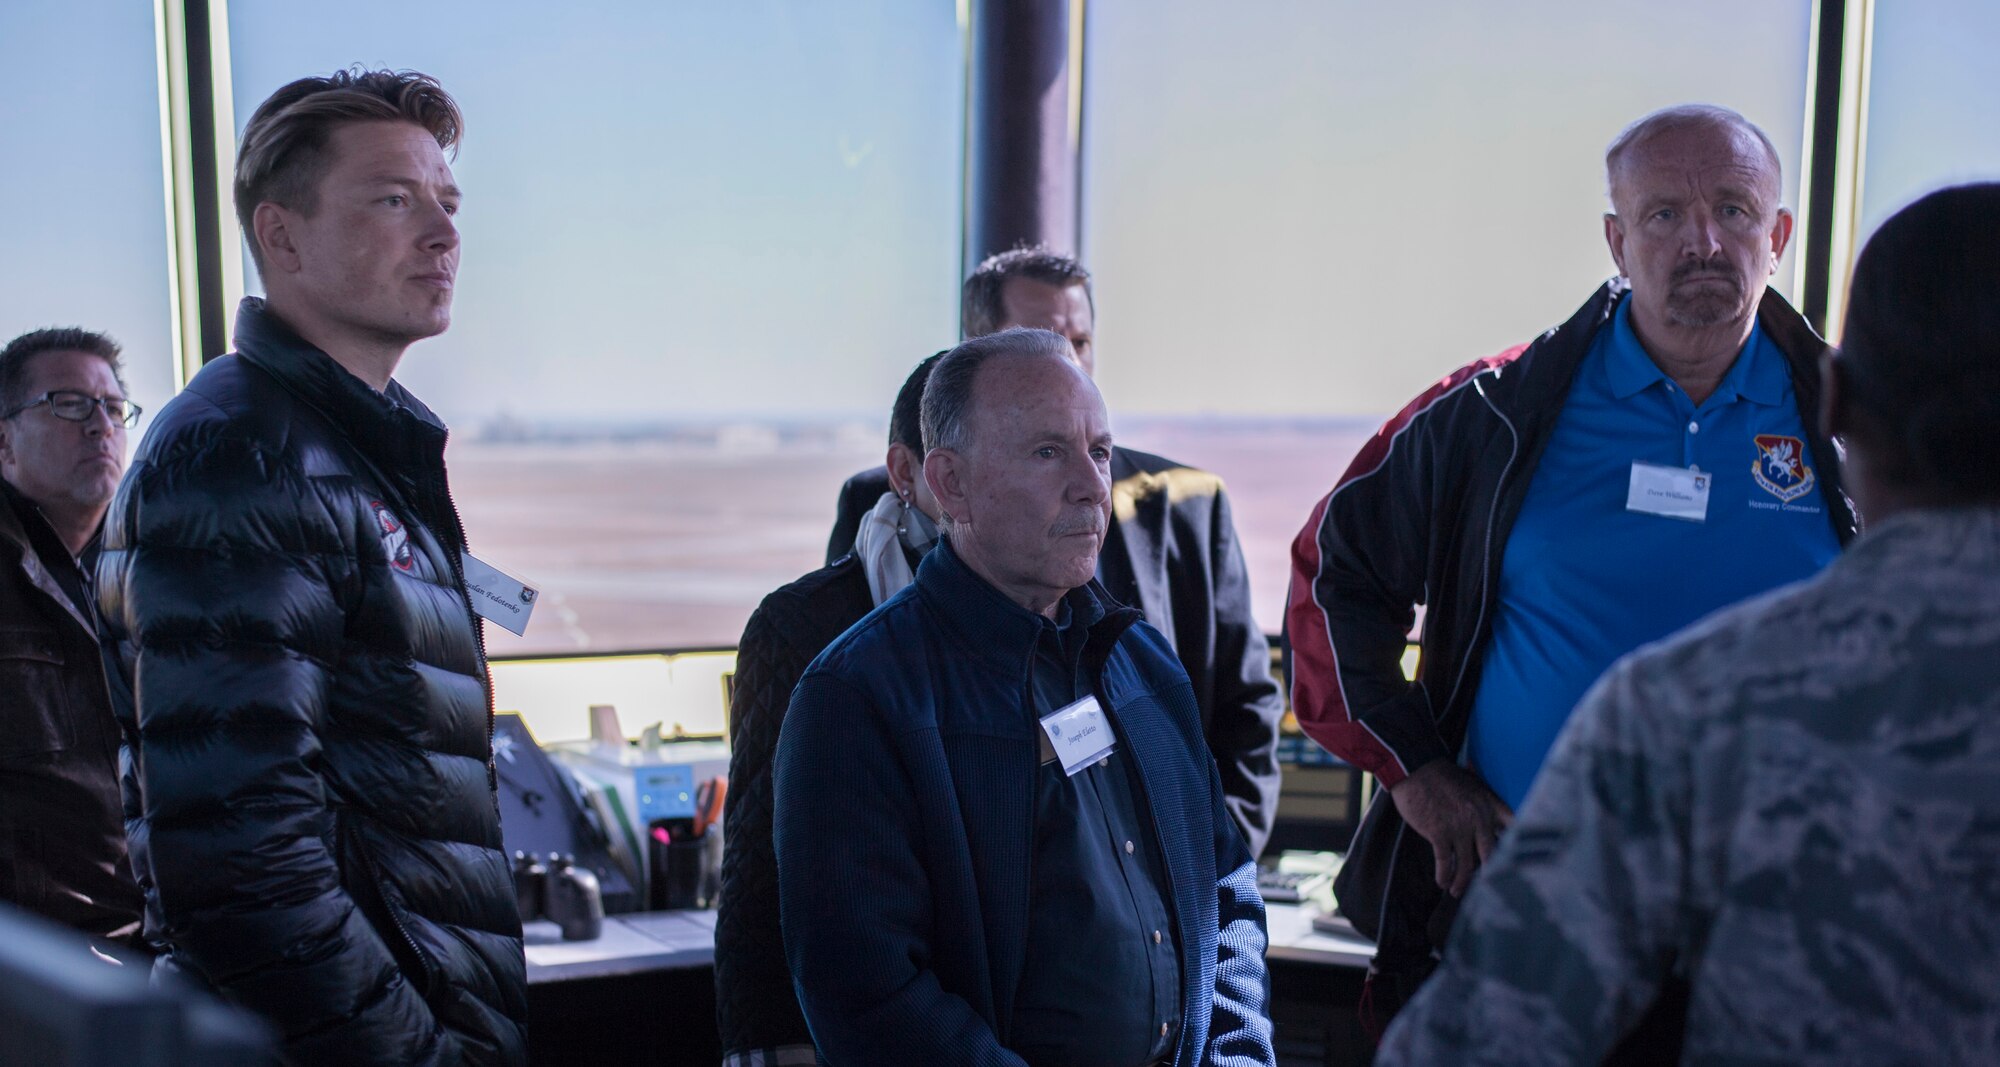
<point x="675" y="856"/>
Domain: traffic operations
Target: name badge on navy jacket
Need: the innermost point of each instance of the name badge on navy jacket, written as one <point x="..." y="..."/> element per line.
<point x="1672" y="492"/>
<point x="1080" y="734"/>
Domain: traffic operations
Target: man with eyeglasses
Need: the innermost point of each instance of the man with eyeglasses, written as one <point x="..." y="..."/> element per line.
<point x="63" y="415"/>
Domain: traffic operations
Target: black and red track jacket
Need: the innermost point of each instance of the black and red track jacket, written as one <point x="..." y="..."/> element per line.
<point x="1422" y="516"/>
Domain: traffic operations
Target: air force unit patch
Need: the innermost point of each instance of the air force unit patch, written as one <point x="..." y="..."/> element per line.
<point x="395" y="539"/>
<point x="1780" y="467"/>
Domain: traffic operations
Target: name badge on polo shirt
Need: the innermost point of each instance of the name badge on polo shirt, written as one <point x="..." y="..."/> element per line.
<point x="1672" y="492"/>
<point x="1080" y="734"/>
<point x="506" y="602"/>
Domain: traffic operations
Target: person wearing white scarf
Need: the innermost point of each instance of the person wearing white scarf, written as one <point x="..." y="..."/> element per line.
<point x="757" y="1013"/>
<point x="893" y="535"/>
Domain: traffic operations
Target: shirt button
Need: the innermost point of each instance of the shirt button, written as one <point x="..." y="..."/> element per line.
<point x="1694" y="427"/>
<point x="1105" y="762"/>
<point x="1156" y="937"/>
<point x="1128" y="848"/>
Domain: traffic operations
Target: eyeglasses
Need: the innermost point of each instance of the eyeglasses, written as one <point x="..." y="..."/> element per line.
<point x="80" y="407"/>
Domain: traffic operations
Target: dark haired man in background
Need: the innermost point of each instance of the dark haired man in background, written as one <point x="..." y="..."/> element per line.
<point x="1172" y="550"/>
<point x="63" y="414"/>
<point x="300" y="673"/>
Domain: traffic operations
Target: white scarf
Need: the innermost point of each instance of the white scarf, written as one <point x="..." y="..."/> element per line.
<point x="880" y="547"/>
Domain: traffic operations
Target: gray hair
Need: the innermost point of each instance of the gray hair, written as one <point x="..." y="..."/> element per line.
<point x="947" y="408"/>
<point x="1684" y="117"/>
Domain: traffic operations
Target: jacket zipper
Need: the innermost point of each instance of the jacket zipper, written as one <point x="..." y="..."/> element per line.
<point x="443" y="487"/>
<point x="1486" y="588"/>
<point x="409" y="939"/>
<point x="1486" y="580"/>
<point x="374" y="880"/>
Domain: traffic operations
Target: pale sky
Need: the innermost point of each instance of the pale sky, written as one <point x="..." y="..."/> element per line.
<point x="1341" y="202"/>
<point x="83" y="227"/>
<point x="672" y="208"/>
<point x="699" y="209"/>
<point x="1934" y="105"/>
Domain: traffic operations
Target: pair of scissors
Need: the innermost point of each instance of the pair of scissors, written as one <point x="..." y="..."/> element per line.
<point x="708" y="799"/>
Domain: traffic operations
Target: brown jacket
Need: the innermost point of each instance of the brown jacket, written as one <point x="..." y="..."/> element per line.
<point x="62" y="832"/>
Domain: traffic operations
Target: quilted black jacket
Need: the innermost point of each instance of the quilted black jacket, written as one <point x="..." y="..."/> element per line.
<point x="755" y="1006"/>
<point x="302" y="689"/>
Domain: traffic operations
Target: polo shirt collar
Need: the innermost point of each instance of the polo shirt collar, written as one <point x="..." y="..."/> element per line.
<point x="1758" y="375"/>
<point x="1630" y="369"/>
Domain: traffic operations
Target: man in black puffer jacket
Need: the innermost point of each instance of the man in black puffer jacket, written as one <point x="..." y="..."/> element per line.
<point x="296" y="666"/>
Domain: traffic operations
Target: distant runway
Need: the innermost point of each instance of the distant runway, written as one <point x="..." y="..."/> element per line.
<point x="657" y="545"/>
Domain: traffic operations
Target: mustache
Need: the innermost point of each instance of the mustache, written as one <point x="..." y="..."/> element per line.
<point x="1089" y="520"/>
<point x="1717" y="267"/>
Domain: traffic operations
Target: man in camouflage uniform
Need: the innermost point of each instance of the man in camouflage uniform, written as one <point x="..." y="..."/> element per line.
<point x="1796" y="803"/>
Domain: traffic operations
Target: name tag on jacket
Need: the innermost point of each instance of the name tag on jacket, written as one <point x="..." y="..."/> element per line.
<point x="1080" y="734"/>
<point x="499" y="599"/>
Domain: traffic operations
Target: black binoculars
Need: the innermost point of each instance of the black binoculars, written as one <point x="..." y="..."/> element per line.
<point x="562" y="892"/>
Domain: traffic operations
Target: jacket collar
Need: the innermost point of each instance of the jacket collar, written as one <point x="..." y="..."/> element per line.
<point x="998" y="632"/>
<point x="1537" y="382"/>
<point x="15" y="514"/>
<point x="384" y="426"/>
<point x="1756" y="374"/>
<point x="13" y="528"/>
<point x="1544" y="374"/>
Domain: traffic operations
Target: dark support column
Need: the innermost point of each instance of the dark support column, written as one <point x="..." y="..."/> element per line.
<point x="1822" y="178"/>
<point x="199" y="182"/>
<point x="1021" y="164"/>
<point x="212" y="316"/>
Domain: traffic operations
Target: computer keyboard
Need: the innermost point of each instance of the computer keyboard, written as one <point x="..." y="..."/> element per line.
<point x="1290" y="887"/>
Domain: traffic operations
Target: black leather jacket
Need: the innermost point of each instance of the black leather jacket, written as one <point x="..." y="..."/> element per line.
<point x="62" y="841"/>
<point x="310" y="798"/>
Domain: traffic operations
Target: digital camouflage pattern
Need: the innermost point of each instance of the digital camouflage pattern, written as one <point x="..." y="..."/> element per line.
<point x="1795" y="804"/>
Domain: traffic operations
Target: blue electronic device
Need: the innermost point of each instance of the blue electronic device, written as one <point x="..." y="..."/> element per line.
<point x="663" y="791"/>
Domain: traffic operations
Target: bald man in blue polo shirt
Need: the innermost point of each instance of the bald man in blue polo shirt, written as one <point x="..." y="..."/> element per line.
<point x="1647" y="462"/>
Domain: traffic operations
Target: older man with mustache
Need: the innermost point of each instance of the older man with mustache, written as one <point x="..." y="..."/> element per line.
<point x="1001" y="839"/>
<point x="1553" y="507"/>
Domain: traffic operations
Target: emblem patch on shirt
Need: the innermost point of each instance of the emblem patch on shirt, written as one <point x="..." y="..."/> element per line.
<point x="395" y="539"/>
<point x="1780" y="467"/>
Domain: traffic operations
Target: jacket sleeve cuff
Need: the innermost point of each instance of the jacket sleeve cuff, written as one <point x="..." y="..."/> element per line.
<point x="1406" y="751"/>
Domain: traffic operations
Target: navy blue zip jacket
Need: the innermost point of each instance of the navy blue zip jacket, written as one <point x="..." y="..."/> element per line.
<point x="1172" y="552"/>
<point x="905" y="824"/>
